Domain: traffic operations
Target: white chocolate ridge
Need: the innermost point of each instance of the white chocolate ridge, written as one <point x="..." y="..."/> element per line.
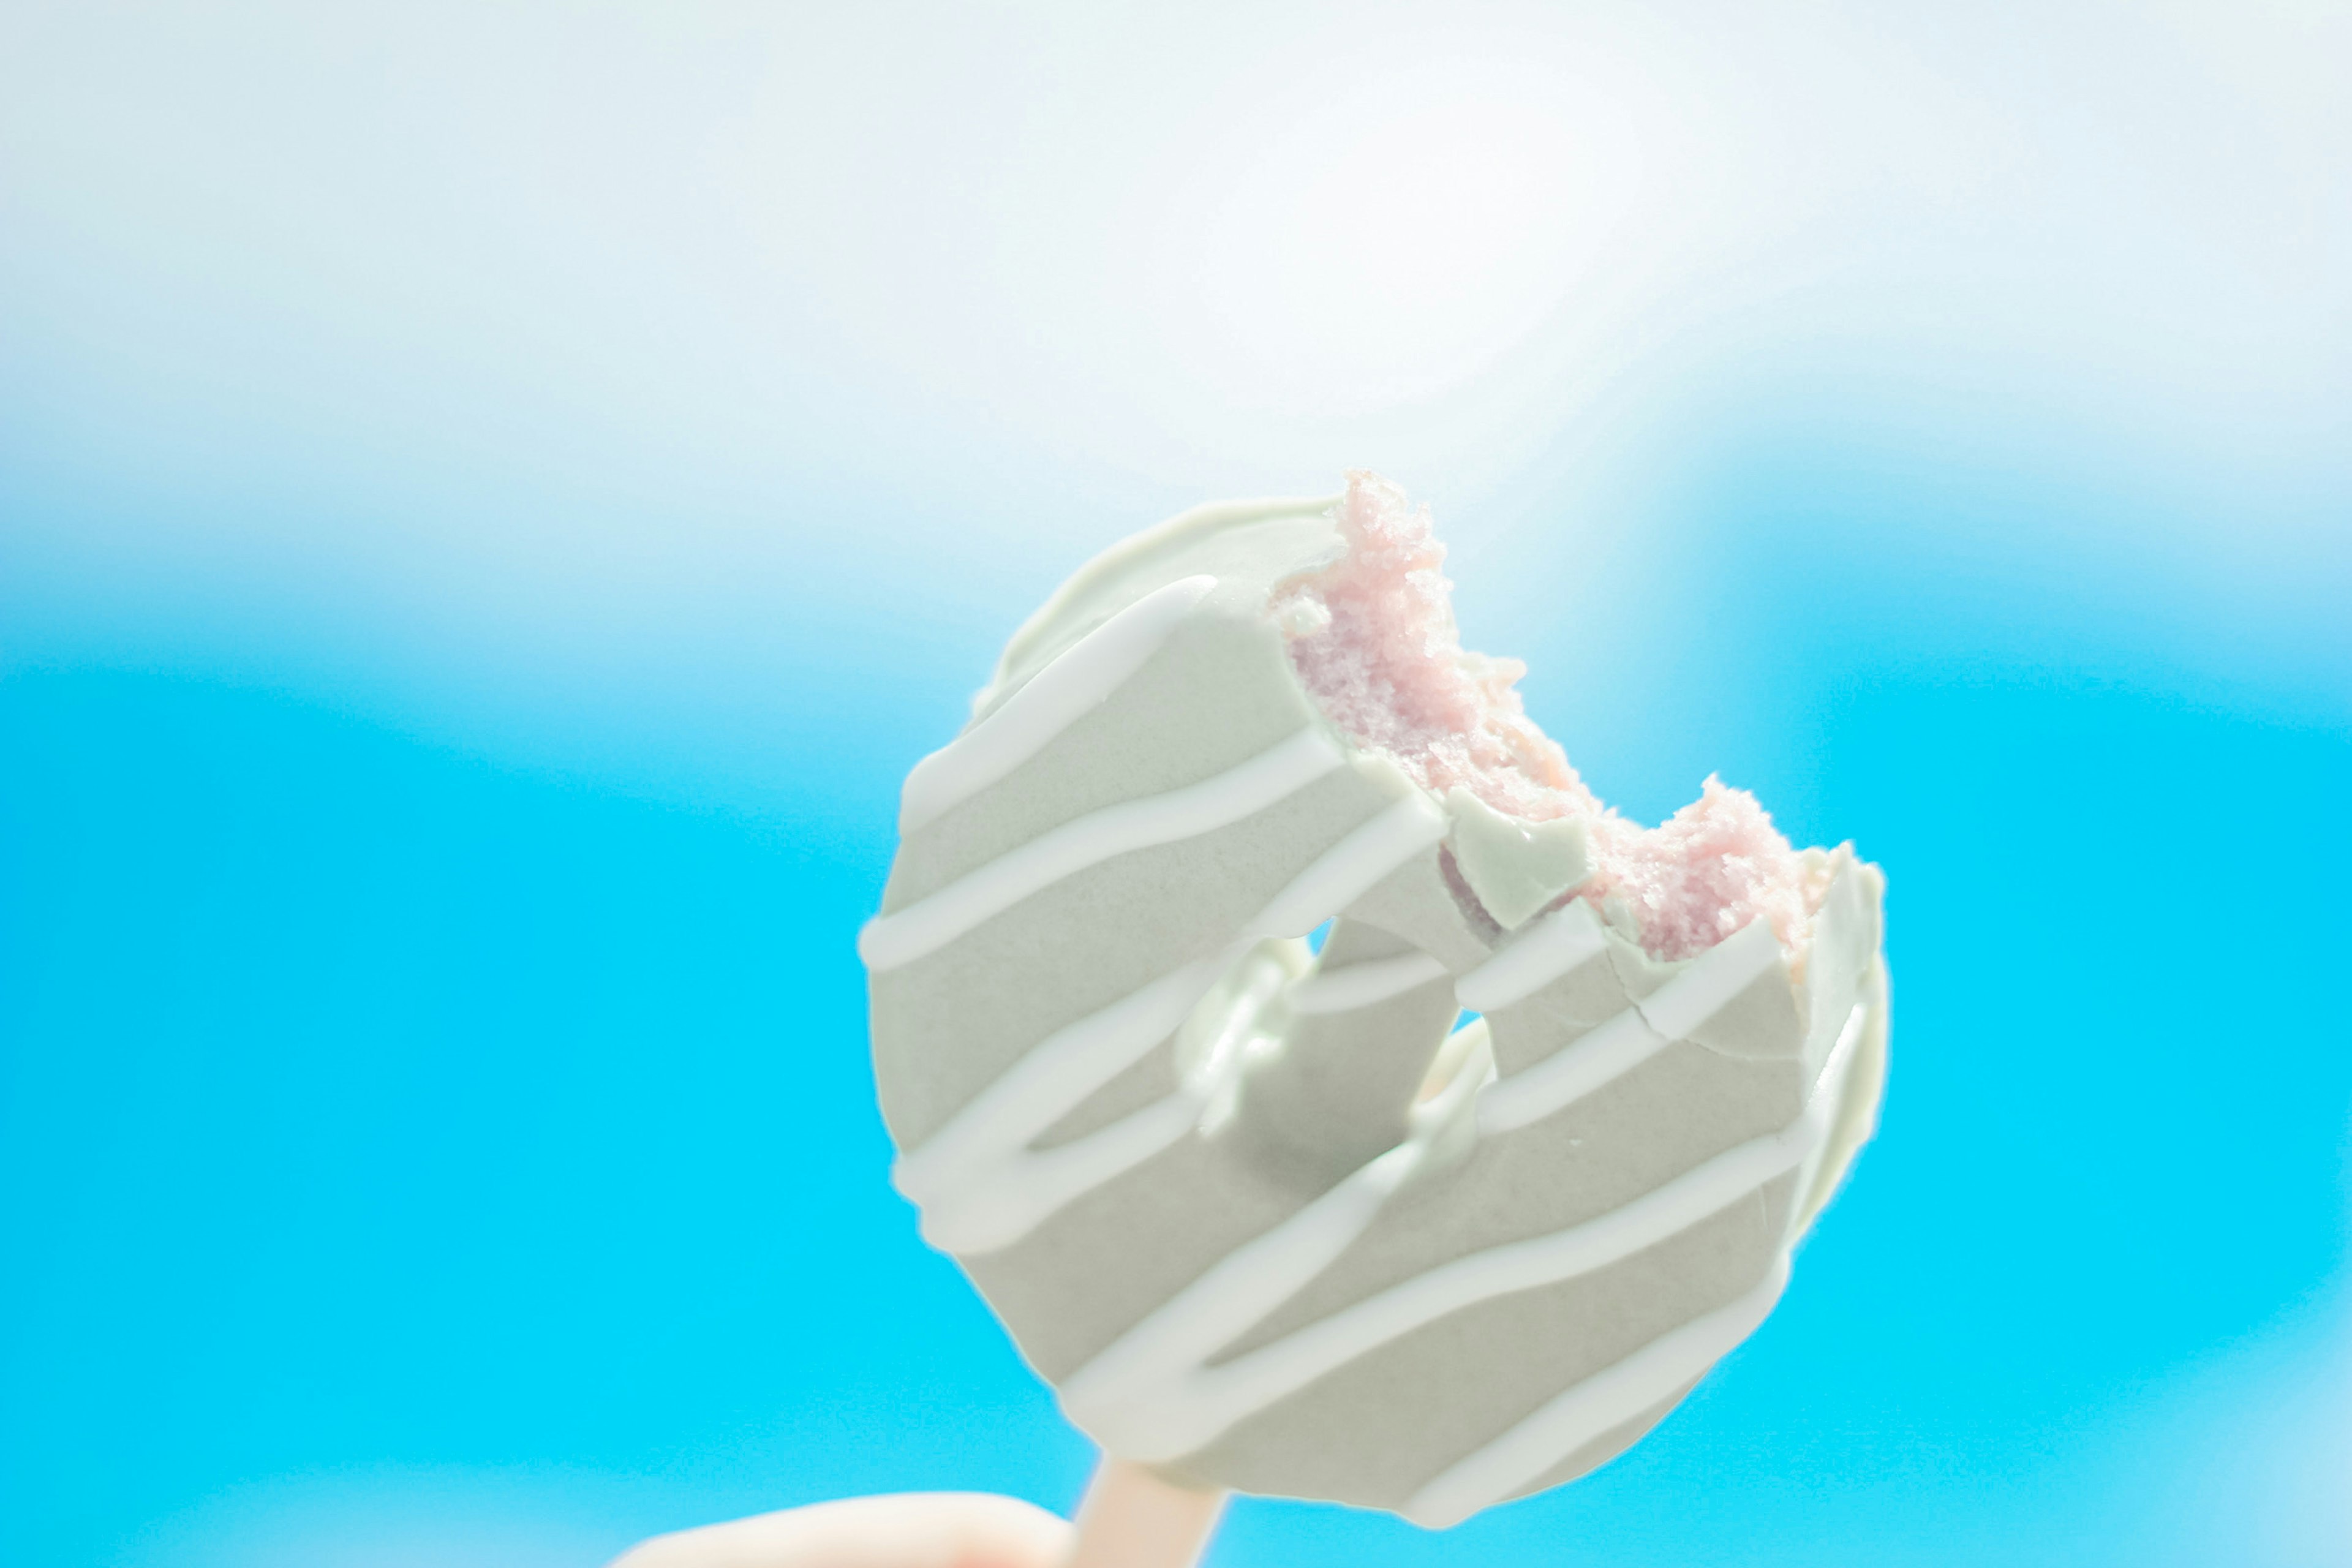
<point x="1554" y="945"/>
<point x="931" y="923"/>
<point x="1154" y="1396"/>
<point x="1050" y="703"/>
<point x="1635" y="1035"/>
<point x="980" y="1184"/>
<point x="1585" y="1410"/>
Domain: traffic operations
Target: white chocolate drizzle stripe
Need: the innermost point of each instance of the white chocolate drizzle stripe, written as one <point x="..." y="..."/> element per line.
<point x="992" y="1213"/>
<point x="1354" y="986"/>
<point x="931" y="923"/>
<point x="1076" y="682"/>
<point x="1714" y="978"/>
<point x="1123" y="1394"/>
<point x="1153" y="1397"/>
<point x="1556" y="944"/>
<point x="1135" y="1385"/>
<point x="1350" y="868"/>
<point x="1619" y="1393"/>
<point x="1632" y="1037"/>
<point x="1050" y="1081"/>
<point x="980" y="1185"/>
<point x="1583" y="1065"/>
<point x="1584" y="1411"/>
<point x="1216" y="1397"/>
<point x="1829" y="1088"/>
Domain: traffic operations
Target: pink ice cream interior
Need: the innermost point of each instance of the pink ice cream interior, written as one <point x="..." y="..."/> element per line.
<point x="1374" y="639"/>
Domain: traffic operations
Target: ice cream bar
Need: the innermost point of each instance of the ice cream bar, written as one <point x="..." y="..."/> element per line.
<point x="1167" y="998"/>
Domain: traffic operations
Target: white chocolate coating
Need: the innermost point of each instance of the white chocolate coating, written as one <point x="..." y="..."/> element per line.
<point x="1267" y="1219"/>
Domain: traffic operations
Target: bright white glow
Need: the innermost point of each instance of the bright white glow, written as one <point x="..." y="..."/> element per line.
<point x="570" y="341"/>
<point x="1402" y="233"/>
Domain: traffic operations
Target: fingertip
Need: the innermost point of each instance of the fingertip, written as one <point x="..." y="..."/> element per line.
<point x="912" y="1530"/>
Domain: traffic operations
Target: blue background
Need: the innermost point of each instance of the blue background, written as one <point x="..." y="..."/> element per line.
<point x="491" y="505"/>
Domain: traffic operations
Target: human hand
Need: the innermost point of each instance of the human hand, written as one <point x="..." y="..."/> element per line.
<point x="1131" y="1519"/>
<point x="912" y="1530"/>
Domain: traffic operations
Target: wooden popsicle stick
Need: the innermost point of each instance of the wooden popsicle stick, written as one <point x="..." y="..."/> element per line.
<point x="1132" y="1519"/>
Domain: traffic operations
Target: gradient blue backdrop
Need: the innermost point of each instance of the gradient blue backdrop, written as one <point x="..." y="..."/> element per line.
<point x="493" y="503"/>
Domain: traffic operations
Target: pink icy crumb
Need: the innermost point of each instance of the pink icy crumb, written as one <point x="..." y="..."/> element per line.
<point x="1373" y="640"/>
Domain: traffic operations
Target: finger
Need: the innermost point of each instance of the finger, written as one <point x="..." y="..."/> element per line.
<point x="911" y="1530"/>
